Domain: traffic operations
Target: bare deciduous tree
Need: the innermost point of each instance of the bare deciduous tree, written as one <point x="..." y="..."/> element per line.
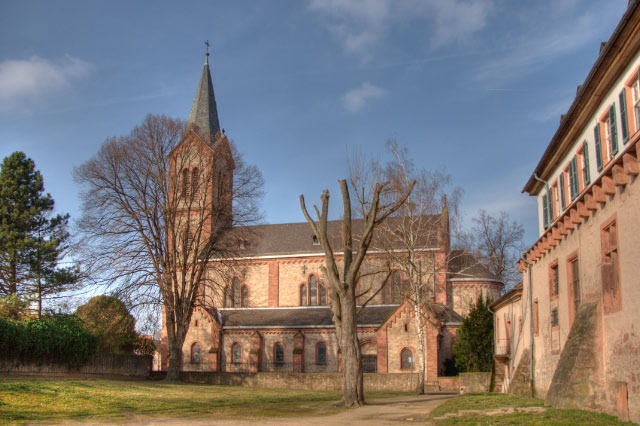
<point x="497" y="242"/>
<point x="157" y="205"/>
<point x="342" y="284"/>
<point x="407" y="236"/>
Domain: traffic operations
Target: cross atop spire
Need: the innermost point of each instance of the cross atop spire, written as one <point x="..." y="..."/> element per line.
<point x="204" y="112"/>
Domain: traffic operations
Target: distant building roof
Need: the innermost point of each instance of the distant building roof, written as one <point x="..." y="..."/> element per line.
<point x="297" y="238"/>
<point x="316" y="317"/>
<point x="510" y="296"/>
<point x="463" y="265"/>
<point x="298" y="317"/>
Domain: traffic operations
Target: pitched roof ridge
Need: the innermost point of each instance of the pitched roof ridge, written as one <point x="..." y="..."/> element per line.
<point x="433" y="216"/>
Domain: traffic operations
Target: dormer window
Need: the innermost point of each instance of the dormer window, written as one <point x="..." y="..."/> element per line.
<point x="315" y="241"/>
<point x="241" y="245"/>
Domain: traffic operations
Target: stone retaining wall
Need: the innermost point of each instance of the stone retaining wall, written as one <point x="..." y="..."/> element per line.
<point x="474" y="382"/>
<point x="315" y="381"/>
<point x="101" y="364"/>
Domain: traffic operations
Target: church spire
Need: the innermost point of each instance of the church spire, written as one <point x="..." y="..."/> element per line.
<point x="204" y="113"/>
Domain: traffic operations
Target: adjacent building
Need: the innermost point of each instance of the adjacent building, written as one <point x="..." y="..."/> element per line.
<point x="574" y="319"/>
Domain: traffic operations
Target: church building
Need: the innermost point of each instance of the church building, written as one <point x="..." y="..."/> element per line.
<point x="271" y="313"/>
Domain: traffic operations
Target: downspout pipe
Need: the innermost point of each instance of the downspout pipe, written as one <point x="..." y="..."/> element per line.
<point x="550" y="210"/>
<point x="531" y="329"/>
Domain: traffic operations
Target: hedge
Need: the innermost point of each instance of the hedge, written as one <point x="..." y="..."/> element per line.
<point x="58" y="339"/>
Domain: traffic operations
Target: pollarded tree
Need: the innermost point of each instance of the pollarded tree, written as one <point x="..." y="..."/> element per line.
<point x="32" y="240"/>
<point x="473" y="350"/>
<point x="157" y="204"/>
<point x="343" y="283"/>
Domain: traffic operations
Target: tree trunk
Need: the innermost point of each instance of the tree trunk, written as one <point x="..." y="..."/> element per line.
<point x="176" y="340"/>
<point x="39" y="298"/>
<point x="417" y="309"/>
<point x="175" y="356"/>
<point x="353" y="393"/>
<point x="13" y="278"/>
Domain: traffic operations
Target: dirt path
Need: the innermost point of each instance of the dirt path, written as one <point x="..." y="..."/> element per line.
<point x="387" y="411"/>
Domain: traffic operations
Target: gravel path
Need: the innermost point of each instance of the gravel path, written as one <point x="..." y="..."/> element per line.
<point x="387" y="411"/>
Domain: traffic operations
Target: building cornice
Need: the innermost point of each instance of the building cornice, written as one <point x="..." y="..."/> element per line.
<point x="617" y="174"/>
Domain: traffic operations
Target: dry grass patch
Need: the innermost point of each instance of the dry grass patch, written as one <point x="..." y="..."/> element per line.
<point x="53" y="399"/>
<point x="489" y="401"/>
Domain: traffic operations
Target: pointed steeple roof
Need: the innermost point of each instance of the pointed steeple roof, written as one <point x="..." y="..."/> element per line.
<point x="204" y="113"/>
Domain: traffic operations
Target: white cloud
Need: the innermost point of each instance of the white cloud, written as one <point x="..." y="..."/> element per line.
<point x="456" y="21"/>
<point x="355" y="99"/>
<point x="533" y="50"/>
<point x="362" y="24"/>
<point x="561" y="28"/>
<point x="23" y="82"/>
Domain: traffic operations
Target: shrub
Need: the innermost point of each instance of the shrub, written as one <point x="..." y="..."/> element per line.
<point x="57" y="339"/>
<point x="14" y="307"/>
<point x="144" y="346"/>
<point x="108" y="318"/>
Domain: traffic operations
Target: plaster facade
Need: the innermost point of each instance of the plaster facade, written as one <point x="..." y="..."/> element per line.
<point x="580" y="288"/>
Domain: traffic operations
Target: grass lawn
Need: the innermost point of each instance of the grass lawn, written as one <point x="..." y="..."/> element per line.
<point x="495" y="400"/>
<point x="28" y="399"/>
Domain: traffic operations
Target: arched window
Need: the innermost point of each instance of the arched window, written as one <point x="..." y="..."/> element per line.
<point x="228" y="299"/>
<point x="386" y="293"/>
<point x="195" y="353"/>
<point x="396" y="287"/>
<point x="406" y="359"/>
<point x="221" y="179"/>
<point x="203" y="287"/>
<point x="321" y="353"/>
<point x="278" y="354"/>
<point x="195" y="182"/>
<point x="313" y="290"/>
<point x="188" y="240"/>
<point x="245" y="296"/>
<point x="236" y="292"/>
<point x="185" y="183"/>
<point x="236" y="353"/>
<point x="323" y="295"/>
<point x="303" y="295"/>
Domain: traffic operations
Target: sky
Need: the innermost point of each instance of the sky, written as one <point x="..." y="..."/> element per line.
<point x="475" y="86"/>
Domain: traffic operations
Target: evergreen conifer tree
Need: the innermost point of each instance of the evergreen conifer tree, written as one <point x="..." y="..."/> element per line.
<point x="473" y="350"/>
<point x="32" y="240"/>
